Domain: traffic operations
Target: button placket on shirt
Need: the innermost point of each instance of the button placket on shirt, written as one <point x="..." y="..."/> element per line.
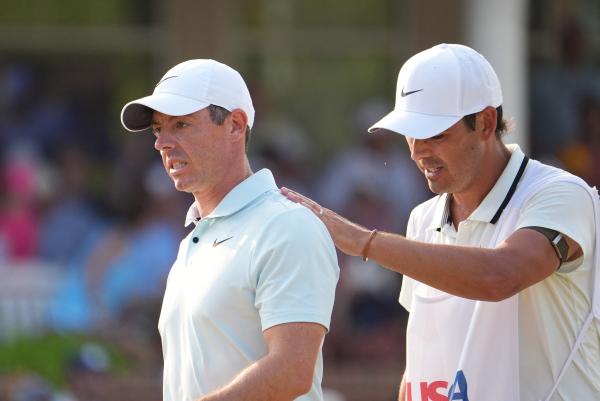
<point x="196" y="239"/>
<point x="464" y="234"/>
<point x="450" y="233"/>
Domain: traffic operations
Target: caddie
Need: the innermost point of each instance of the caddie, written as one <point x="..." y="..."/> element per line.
<point x="500" y="266"/>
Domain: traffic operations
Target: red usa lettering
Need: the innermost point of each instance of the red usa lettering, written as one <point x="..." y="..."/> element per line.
<point x="427" y="391"/>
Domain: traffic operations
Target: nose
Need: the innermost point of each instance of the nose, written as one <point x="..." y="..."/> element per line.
<point x="163" y="142"/>
<point x="418" y="148"/>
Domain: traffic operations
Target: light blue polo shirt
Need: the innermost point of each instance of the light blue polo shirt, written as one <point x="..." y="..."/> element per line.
<point x="258" y="260"/>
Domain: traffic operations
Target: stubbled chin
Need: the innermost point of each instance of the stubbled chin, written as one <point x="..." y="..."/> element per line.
<point x="435" y="187"/>
<point x="179" y="185"/>
<point x="434" y="190"/>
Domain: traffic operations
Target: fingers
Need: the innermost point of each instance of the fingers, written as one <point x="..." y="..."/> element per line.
<point x="291" y="195"/>
<point x="316" y="209"/>
<point x="294" y="196"/>
<point x="303" y="200"/>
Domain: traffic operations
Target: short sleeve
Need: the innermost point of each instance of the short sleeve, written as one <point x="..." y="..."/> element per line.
<point x="295" y="269"/>
<point x="565" y="207"/>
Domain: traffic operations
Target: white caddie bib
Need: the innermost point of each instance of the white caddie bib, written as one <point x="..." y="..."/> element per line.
<point x="465" y="350"/>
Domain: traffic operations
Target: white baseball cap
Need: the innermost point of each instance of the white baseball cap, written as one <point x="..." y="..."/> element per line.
<point x="187" y="88"/>
<point x="439" y="86"/>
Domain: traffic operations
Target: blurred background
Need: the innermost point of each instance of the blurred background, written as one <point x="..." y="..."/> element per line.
<point x="90" y="223"/>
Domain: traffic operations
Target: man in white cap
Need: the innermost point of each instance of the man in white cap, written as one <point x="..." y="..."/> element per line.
<point x="500" y="267"/>
<point x="249" y="298"/>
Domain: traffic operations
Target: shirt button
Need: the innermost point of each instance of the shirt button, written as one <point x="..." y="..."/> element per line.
<point x="195" y="240"/>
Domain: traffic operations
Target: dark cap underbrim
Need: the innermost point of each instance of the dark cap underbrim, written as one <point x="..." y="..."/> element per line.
<point x="137" y="115"/>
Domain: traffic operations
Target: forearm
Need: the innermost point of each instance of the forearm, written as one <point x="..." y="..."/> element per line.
<point x="469" y="272"/>
<point x="268" y="379"/>
<point x="489" y="274"/>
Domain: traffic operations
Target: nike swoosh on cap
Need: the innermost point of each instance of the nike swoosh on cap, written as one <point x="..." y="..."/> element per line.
<point x="403" y="94"/>
<point x="220" y="242"/>
<point x="164" y="79"/>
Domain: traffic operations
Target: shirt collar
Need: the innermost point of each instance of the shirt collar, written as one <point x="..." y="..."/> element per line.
<point x="236" y="199"/>
<point x="492" y="206"/>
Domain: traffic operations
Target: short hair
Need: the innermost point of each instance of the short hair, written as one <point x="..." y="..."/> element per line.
<point x="218" y="115"/>
<point x="502" y="126"/>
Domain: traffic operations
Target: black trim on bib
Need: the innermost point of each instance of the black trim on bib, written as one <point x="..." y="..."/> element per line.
<point x="511" y="191"/>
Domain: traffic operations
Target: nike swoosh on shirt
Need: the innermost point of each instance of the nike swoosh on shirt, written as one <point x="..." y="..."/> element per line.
<point x="220" y="242"/>
<point x="403" y="94"/>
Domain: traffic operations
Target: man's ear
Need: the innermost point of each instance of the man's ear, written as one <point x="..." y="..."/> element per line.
<point x="486" y="122"/>
<point x="239" y="122"/>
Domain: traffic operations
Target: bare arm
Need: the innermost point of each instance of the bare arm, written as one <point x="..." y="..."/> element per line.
<point x="286" y="371"/>
<point x="525" y="258"/>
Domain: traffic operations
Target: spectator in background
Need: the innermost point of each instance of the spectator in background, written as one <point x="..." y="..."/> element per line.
<point x="368" y="325"/>
<point x="19" y="215"/>
<point x="27" y="116"/>
<point x="138" y="247"/>
<point x="377" y="159"/>
<point x="283" y="149"/>
<point x="557" y="92"/>
<point x="70" y="215"/>
<point x="583" y="157"/>
<point x="375" y="184"/>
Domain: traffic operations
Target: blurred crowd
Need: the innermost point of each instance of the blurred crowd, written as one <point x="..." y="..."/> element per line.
<point x="88" y="232"/>
<point x="90" y="222"/>
<point x="565" y="106"/>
